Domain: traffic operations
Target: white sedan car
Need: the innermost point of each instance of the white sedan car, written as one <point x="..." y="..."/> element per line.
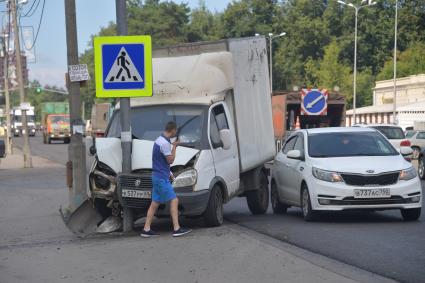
<point x="334" y="169"/>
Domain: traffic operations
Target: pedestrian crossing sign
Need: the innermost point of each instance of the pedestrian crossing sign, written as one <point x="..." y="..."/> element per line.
<point x="123" y="66"/>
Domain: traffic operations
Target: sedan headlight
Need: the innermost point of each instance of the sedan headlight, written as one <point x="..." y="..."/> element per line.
<point x="186" y="178"/>
<point x="407" y="174"/>
<point x="327" y="176"/>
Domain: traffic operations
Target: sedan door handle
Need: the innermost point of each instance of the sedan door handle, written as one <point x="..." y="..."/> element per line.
<point x="301" y="168"/>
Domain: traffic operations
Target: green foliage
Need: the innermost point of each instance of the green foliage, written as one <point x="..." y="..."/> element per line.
<point x="36" y="97"/>
<point x="409" y="62"/>
<point x="318" y="49"/>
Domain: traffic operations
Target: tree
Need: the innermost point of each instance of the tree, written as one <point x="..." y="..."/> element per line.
<point x="409" y="62"/>
<point x="318" y="48"/>
<point x="202" y="24"/>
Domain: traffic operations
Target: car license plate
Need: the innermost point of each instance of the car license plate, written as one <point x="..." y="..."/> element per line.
<point x="372" y="193"/>
<point x="136" y="194"/>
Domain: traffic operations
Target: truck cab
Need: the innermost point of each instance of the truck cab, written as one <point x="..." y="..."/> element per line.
<point x="57" y="127"/>
<point x="17" y="127"/>
<point x="220" y="100"/>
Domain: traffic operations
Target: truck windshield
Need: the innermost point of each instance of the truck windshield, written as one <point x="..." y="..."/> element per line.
<point x="148" y="122"/>
<point x="349" y="144"/>
<point x="30" y="118"/>
<point x="59" y="119"/>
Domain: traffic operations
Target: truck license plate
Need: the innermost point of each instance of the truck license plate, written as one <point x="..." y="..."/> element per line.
<point x="136" y="194"/>
<point x="372" y="193"/>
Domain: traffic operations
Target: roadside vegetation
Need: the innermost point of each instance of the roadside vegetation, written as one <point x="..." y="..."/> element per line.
<point x="317" y="49"/>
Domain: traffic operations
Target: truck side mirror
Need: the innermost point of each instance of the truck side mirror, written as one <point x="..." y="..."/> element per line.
<point x="92" y="149"/>
<point x="226" y="138"/>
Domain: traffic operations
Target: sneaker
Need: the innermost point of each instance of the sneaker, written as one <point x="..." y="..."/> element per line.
<point x="181" y="231"/>
<point x="148" y="234"/>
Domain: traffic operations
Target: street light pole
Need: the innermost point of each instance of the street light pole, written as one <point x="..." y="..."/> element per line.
<point x="395" y="65"/>
<point x="270" y="37"/>
<point x="355" y="68"/>
<point x="357" y="9"/>
<point x="271" y="62"/>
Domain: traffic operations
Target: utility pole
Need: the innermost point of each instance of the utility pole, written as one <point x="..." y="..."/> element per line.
<point x="27" y="152"/>
<point x="6" y="92"/>
<point x="76" y="149"/>
<point x="121" y="11"/>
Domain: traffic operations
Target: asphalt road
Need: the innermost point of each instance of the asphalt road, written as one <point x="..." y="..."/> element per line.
<point x="57" y="151"/>
<point x="379" y="242"/>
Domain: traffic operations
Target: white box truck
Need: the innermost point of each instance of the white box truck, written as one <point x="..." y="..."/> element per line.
<point x="17" y="127"/>
<point x="219" y="95"/>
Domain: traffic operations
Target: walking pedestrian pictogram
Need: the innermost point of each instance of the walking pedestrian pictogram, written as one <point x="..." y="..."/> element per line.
<point x="123" y="66"/>
<point x="123" y="70"/>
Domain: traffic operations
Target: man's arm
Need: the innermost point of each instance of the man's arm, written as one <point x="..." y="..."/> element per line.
<point x="170" y="158"/>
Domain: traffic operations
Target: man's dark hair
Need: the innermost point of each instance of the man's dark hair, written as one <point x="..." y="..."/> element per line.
<point x="170" y="126"/>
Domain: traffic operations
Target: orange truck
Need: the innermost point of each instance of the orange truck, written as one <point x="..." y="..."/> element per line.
<point x="55" y="122"/>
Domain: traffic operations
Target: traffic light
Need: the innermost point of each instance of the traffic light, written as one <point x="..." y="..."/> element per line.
<point x="38" y="89"/>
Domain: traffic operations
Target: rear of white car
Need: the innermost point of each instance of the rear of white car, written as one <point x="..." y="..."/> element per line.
<point x="344" y="169"/>
<point x="393" y="133"/>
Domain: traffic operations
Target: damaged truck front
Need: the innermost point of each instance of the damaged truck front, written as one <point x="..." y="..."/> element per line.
<point x="218" y="94"/>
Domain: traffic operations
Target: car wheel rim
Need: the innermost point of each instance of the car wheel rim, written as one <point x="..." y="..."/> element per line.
<point x="305" y="203"/>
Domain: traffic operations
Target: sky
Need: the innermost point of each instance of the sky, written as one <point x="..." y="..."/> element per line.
<point x="50" y="48"/>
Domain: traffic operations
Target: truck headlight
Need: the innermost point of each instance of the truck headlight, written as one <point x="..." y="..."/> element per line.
<point x="327" y="176"/>
<point x="186" y="178"/>
<point x="407" y="174"/>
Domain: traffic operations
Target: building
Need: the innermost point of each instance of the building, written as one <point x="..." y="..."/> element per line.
<point x="410" y="102"/>
<point x="286" y="108"/>
<point x="13" y="80"/>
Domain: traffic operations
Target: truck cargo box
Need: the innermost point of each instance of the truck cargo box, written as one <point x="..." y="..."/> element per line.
<point x="251" y="89"/>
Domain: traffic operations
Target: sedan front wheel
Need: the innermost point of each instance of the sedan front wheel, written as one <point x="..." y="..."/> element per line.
<point x="308" y="213"/>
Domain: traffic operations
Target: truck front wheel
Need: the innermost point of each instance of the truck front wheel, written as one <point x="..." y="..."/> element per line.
<point x="258" y="200"/>
<point x="213" y="215"/>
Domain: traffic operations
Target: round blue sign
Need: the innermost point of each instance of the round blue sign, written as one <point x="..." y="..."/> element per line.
<point x="314" y="102"/>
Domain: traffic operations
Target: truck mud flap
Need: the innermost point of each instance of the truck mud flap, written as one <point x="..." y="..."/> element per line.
<point x="83" y="221"/>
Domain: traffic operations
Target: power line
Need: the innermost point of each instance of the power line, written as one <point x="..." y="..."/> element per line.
<point x="38" y="29"/>
<point x="32" y="6"/>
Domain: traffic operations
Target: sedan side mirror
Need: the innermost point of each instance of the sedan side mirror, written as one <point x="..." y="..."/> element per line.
<point x="226" y="138"/>
<point x="406" y="150"/>
<point x="294" y="154"/>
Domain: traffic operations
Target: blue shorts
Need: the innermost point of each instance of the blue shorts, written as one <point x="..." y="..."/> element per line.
<point x="162" y="190"/>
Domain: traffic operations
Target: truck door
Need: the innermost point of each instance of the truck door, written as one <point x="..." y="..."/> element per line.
<point x="226" y="162"/>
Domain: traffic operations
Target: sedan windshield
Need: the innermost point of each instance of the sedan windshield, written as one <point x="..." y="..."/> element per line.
<point x="148" y="122"/>
<point x="349" y="144"/>
<point x="392" y="133"/>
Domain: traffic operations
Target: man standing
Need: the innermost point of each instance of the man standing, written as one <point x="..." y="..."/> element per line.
<point x="163" y="155"/>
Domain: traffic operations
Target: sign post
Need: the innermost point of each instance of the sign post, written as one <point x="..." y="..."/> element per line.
<point x="123" y="67"/>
